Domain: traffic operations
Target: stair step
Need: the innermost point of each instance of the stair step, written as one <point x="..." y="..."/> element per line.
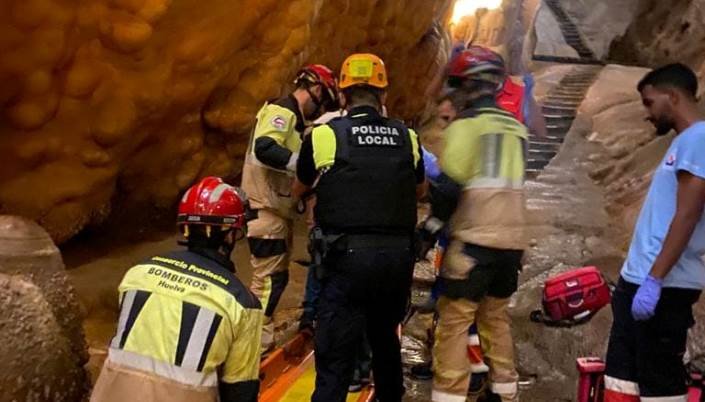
<point x="558" y="108"/>
<point x="556" y="141"/>
<point x="568" y="105"/>
<point x="570" y="90"/>
<point x="558" y="114"/>
<point x="564" y="98"/>
<point x="540" y="154"/>
<point x="563" y="128"/>
<point x="567" y="60"/>
<point x="544" y="145"/>
<point x="536" y="165"/>
<point x="574" y="85"/>
<point x="568" y="93"/>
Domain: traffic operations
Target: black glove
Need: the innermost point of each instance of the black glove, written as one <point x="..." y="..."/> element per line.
<point x="426" y="236"/>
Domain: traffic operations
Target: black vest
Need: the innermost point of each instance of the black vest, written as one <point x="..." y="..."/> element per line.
<point x="371" y="187"/>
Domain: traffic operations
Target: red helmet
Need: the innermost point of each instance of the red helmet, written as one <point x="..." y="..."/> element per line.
<point x="213" y="202"/>
<point x="477" y="63"/>
<point x="318" y="74"/>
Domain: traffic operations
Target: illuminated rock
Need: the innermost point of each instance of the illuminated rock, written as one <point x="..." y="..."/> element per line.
<point x="135" y="99"/>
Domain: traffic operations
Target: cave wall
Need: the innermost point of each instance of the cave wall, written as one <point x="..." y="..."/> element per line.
<point x="663" y="32"/>
<point x="504" y="29"/>
<point x="600" y="21"/>
<point x="112" y="104"/>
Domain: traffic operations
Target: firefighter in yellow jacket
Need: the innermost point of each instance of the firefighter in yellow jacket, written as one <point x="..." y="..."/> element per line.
<point x="189" y="330"/>
<point x="481" y="192"/>
<point x="267" y="179"/>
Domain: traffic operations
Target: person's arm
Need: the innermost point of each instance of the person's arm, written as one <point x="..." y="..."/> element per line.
<point x="306" y="172"/>
<point x="270" y="136"/>
<point x="420" y="170"/>
<point x="239" y="380"/>
<point x="689" y="211"/>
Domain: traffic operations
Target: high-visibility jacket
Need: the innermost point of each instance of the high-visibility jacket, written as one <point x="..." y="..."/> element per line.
<point x="189" y="331"/>
<point x="268" y="172"/>
<point x="485" y="154"/>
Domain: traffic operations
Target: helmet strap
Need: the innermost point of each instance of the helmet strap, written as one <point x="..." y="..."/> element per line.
<point x="316" y="101"/>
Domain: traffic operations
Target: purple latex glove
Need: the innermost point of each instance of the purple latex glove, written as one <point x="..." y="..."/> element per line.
<point x="646" y="298"/>
<point x="430" y="163"/>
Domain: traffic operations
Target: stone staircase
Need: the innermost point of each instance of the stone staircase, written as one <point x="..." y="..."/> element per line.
<point x="572" y="37"/>
<point x="559" y="108"/>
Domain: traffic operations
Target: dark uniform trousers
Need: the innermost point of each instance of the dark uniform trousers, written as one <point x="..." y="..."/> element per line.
<point x="366" y="289"/>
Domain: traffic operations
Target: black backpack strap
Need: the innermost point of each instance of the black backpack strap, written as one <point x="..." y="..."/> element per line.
<point x="539" y="317"/>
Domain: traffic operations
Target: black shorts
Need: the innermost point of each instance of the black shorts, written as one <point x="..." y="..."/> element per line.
<point x="650" y="353"/>
<point x="495" y="274"/>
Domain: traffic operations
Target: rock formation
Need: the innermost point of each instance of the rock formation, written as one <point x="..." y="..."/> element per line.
<point x="126" y="102"/>
<point x="41" y="339"/>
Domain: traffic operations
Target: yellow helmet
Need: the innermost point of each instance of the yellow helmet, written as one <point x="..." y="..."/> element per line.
<point x="363" y="69"/>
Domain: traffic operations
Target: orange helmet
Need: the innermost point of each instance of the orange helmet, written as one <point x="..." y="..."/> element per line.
<point x="363" y="69"/>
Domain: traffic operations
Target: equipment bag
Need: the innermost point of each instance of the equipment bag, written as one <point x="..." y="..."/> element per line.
<point x="696" y="384"/>
<point x="573" y="297"/>
<point x="591" y="382"/>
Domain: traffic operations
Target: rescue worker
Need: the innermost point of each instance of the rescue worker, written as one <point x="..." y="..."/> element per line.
<point x="369" y="171"/>
<point x="267" y="179"/>
<point x="515" y="93"/>
<point x="481" y="187"/>
<point x="189" y="330"/>
<point x="664" y="272"/>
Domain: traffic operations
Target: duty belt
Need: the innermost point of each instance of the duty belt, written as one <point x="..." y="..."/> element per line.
<point x="376" y="240"/>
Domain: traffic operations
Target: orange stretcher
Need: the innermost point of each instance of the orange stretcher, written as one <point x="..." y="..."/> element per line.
<point x="288" y="374"/>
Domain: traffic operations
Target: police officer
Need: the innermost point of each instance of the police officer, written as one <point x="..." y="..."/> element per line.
<point x="369" y="171"/>
<point x="481" y="187"/>
<point x="189" y="330"/>
<point x="267" y="179"/>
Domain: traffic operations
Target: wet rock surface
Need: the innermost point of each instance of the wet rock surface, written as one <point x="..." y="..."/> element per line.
<point x="41" y="338"/>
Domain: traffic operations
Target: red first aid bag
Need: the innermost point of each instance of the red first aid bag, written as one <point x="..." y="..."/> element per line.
<point x="573" y="297"/>
<point x="591" y="382"/>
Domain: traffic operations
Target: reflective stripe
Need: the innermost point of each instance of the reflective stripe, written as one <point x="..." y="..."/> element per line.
<point x="197" y="341"/>
<point x="498" y="182"/>
<point x="615" y="396"/>
<point x="479" y="368"/>
<point x="440" y="396"/>
<point x="415" y="146"/>
<point x="127" y="300"/>
<point x="215" y="195"/>
<point x="492" y="154"/>
<point x="504" y="388"/>
<point x="162" y="369"/>
<point x="622" y="386"/>
<point x="324" y="146"/>
<point x="474" y="340"/>
<point x="680" y="398"/>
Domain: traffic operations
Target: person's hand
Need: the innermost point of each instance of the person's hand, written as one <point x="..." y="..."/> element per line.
<point x="426" y="236"/>
<point x="646" y="298"/>
<point x="430" y="163"/>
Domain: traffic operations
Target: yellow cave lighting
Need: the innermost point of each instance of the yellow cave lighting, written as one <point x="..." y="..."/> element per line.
<point x="468" y="7"/>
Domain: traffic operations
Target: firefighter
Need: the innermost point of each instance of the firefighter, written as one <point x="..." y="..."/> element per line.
<point x="189" y="330"/>
<point x="267" y="179"/>
<point x="480" y="191"/>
